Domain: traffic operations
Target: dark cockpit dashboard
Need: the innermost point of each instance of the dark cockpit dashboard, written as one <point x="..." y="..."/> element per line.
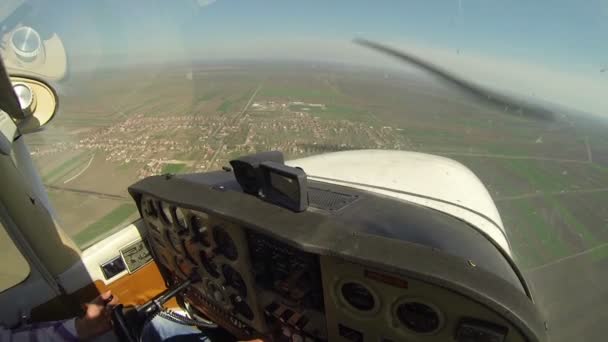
<point x="354" y="266"/>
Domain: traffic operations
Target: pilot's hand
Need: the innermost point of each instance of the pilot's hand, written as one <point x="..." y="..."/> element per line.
<point x="97" y="318"/>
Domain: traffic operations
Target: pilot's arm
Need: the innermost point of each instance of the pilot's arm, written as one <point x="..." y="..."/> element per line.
<point x="95" y="321"/>
<point x="59" y="331"/>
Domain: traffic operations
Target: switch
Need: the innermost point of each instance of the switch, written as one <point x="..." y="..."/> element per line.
<point x="294" y="319"/>
<point x="270" y="309"/>
<point x="286" y="315"/>
<point x="301" y="323"/>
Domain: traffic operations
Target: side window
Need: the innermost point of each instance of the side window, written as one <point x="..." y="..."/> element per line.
<point x="13" y="266"/>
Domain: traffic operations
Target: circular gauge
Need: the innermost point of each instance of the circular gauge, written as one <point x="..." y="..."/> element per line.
<point x="358" y="296"/>
<point x="241" y="307"/>
<point x="209" y="265"/>
<point x="149" y="208"/>
<point x="224" y="242"/>
<point x="192" y="249"/>
<point x="418" y="317"/>
<point x="185" y="267"/>
<point x="234" y="280"/>
<point x="199" y="229"/>
<point x="26" y="42"/>
<point x="174" y="240"/>
<point x="157" y="241"/>
<point x="216" y="292"/>
<point x="153" y="227"/>
<point x="181" y="219"/>
<point x="164" y="259"/>
<point x="166" y="213"/>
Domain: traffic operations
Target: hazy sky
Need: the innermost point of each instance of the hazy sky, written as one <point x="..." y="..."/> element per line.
<point x="552" y="49"/>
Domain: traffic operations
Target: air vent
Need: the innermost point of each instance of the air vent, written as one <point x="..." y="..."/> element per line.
<point x="329" y="200"/>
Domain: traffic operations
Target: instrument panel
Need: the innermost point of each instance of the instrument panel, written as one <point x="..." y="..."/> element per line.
<point x="254" y="282"/>
<point x="373" y="305"/>
<point x="250" y="279"/>
<point x="188" y="241"/>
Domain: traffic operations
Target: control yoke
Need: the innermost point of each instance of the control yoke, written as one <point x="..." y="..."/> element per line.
<point x="129" y="322"/>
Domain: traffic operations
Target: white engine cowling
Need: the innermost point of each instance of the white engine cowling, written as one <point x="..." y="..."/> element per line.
<point x="436" y="182"/>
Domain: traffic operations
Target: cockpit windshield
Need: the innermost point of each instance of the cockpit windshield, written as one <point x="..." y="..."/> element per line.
<point x="155" y="87"/>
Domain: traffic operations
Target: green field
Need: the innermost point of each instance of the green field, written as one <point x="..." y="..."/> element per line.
<point x="231" y="104"/>
<point x="65" y="167"/>
<point x="549" y="207"/>
<point x="111" y="220"/>
<point x="225" y="106"/>
<point x="173" y="168"/>
<point x="206" y="96"/>
<point x="337" y="112"/>
<point x="291" y="92"/>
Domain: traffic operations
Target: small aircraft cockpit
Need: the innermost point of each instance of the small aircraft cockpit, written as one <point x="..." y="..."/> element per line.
<point x="305" y="171"/>
<point x="269" y="253"/>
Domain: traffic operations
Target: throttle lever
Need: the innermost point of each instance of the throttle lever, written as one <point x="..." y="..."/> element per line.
<point x="108" y="300"/>
<point x="156" y="304"/>
<point x="129" y="322"/>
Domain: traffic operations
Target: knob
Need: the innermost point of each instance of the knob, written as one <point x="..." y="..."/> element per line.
<point x="26" y="97"/>
<point x="218" y="296"/>
<point x="26" y="43"/>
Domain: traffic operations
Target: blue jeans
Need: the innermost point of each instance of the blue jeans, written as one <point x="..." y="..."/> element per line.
<point x="160" y="329"/>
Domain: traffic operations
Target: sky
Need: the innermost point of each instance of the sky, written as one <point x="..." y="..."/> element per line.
<point x="555" y="50"/>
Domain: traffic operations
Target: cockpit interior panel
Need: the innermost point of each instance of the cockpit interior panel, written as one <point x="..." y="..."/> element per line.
<point x="327" y="275"/>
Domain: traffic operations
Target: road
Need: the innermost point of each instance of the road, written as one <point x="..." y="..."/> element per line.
<point x="81" y="171"/>
<point x="91" y="193"/>
<point x="551" y="193"/>
<point x="589" y="154"/>
<point x="232" y="122"/>
<point x="506" y="156"/>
